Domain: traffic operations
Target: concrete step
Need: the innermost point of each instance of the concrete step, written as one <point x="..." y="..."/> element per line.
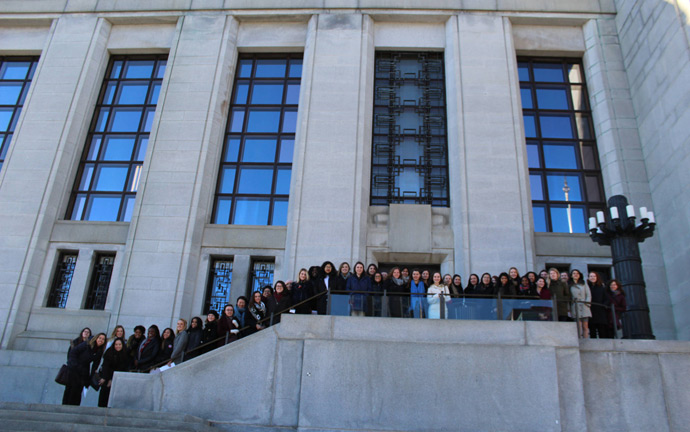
<point x="43" y="341"/>
<point x="32" y="358"/>
<point x="39" y="417"/>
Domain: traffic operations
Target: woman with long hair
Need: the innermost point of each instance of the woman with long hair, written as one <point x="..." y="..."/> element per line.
<point x="359" y="281"/>
<point x="617" y="299"/>
<point x="257" y="312"/>
<point x="486" y="286"/>
<point x="280" y="301"/>
<point x="416" y="286"/>
<point x="210" y="331"/>
<point x="228" y="326"/>
<point x="84" y="336"/>
<point x="82" y="362"/>
<point x="598" y="324"/>
<point x="118" y="332"/>
<point x="180" y="343"/>
<point x="115" y="359"/>
<point x="559" y="289"/>
<point x="167" y="345"/>
<point x="541" y="289"/>
<point x="582" y="299"/>
<point x="148" y="350"/>
<point x="301" y="291"/>
<point x="472" y="284"/>
<point x="505" y="286"/>
<point x="326" y="282"/>
<point x="434" y="293"/>
<point x="343" y="275"/>
<point x="395" y="286"/>
<point x="195" y="334"/>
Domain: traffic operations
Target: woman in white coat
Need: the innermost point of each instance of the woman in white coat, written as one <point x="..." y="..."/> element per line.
<point x="582" y="300"/>
<point x="434" y="299"/>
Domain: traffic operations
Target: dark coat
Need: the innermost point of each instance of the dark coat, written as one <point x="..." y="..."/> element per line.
<point x="82" y="362"/>
<point x="114" y="361"/>
<point x="302" y="291"/>
<point x="276" y="306"/>
<point x="146" y="357"/>
<point x="251" y="320"/>
<point x="505" y="290"/>
<point x="210" y="334"/>
<point x="362" y="283"/>
<point x="599" y="312"/>
<point x="166" y="350"/>
<point x="485" y="290"/>
<point x="529" y="292"/>
<point x="194" y="340"/>
<point x="397" y="304"/>
<point x="545" y="293"/>
<point x="320" y="287"/>
<point x="225" y="327"/>
<point x="563" y="296"/>
<point x="341" y="282"/>
<point x="620" y="305"/>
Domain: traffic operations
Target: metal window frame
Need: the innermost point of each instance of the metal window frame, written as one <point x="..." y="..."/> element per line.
<point x="62" y="279"/>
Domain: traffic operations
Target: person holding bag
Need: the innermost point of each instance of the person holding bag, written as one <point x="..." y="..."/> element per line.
<point x="82" y="362"/>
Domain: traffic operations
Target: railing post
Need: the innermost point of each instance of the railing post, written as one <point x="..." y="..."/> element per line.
<point x="499" y="307"/>
<point x="271" y="320"/>
<point x="384" y="304"/>
<point x="442" y="306"/>
<point x="182" y="357"/>
<point x="577" y="318"/>
<point x="226" y="338"/>
<point x="421" y="307"/>
<point x="554" y="308"/>
<point x="328" y="300"/>
<point x="615" y="321"/>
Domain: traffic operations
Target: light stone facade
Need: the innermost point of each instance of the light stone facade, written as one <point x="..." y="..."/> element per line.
<point x="636" y="55"/>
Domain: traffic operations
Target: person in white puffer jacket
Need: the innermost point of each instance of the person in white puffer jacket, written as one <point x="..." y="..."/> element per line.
<point x="434" y="299"/>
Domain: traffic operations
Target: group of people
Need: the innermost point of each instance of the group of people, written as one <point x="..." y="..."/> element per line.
<point x="415" y="293"/>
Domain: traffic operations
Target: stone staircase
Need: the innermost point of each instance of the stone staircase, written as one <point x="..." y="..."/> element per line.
<point x="16" y="416"/>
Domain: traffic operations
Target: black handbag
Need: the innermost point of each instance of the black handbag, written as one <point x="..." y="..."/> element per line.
<point x="95" y="380"/>
<point x="62" y="377"/>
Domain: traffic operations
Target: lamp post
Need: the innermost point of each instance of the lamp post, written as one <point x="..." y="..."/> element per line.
<point x="620" y="231"/>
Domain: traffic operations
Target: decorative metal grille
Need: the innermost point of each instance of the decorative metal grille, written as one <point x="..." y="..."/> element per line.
<point x="219" y="282"/>
<point x="16" y="74"/>
<point x="565" y="176"/>
<point x="262" y="275"/>
<point x="62" y="280"/>
<point x="100" y="282"/>
<point x="410" y="146"/>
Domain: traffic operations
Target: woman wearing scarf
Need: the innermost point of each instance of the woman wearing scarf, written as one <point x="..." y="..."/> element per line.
<point x="395" y="289"/>
<point x="416" y="286"/>
<point x="255" y="314"/>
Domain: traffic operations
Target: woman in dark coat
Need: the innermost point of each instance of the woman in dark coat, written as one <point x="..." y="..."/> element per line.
<point x="133" y="344"/>
<point x="560" y="289"/>
<point x="167" y="345"/>
<point x="505" y="286"/>
<point x="194" y="336"/>
<point x="148" y="350"/>
<point x="343" y="275"/>
<point x="302" y="290"/>
<point x="472" y="284"/>
<point x="358" y="282"/>
<point x="395" y="288"/>
<point x="375" y="301"/>
<point x="617" y="299"/>
<point x="326" y="282"/>
<point x="82" y="362"/>
<point x="256" y="312"/>
<point x="279" y="302"/>
<point x="210" y="332"/>
<point x="485" y="287"/>
<point x="84" y="336"/>
<point x="598" y="323"/>
<point x="115" y="359"/>
<point x="228" y="327"/>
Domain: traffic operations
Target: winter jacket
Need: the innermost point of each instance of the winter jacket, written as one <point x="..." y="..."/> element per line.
<point x="179" y="347"/>
<point x="358" y="301"/>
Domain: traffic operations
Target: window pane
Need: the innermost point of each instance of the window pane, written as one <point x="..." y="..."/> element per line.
<point x="78" y="210"/>
<point x="135" y="175"/>
<point x="259" y="150"/>
<point x="295" y="68"/>
<point x="579" y="102"/>
<point x="110" y="178"/>
<point x="263" y="121"/>
<point x="560" y="156"/>
<point x="155" y="92"/>
<point x="526" y="96"/>
<point x="289" y="121"/>
<point x="533" y="156"/>
<point x="233" y="148"/>
<point x="118" y="148"/>
<point x="237" y="120"/>
<point x="523" y="71"/>
<point x="537" y="187"/>
<point x="148" y="121"/>
<point x="223" y="211"/>
<point x="126" y="119"/>
<point x="141" y="151"/>
<point x="568" y="219"/>
<point x="552" y="99"/>
<point x="162" y="65"/>
<point x="280" y="209"/>
<point x="109" y="93"/>
<point x="589" y="158"/>
<point x="128" y="209"/>
<point x="292" y="97"/>
<point x="574" y="73"/>
<point x="559" y="184"/>
<point x="241" y="92"/>
<point x="270" y="68"/>
<point x="546" y="72"/>
<point x="9" y="93"/>
<point x="539" y="218"/>
<point x="530" y="128"/>
<point x="117" y="68"/>
<point x="271" y="94"/>
<point x="556" y="126"/>
<point x="287" y="147"/>
<point x="132" y="93"/>
<point x="102" y="119"/>
<point x="245" y="69"/>
<point x="251" y="211"/>
<point x="283" y="181"/>
<point x="227" y="180"/>
<point x="86" y="176"/>
<point x="102" y="208"/>
<point x="5" y="117"/>
<point x="255" y="181"/>
<point x="14" y="70"/>
<point x="139" y="69"/>
<point x="593" y="188"/>
<point x="584" y="130"/>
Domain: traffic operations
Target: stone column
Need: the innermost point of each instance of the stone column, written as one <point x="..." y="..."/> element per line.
<point x="329" y="194"/>
<point x="490" y="155"/>
<point x="37" y="173"/>
<point x="164" y="242"/>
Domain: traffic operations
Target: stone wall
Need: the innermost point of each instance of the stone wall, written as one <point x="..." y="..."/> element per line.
<point x="318" y="373"/>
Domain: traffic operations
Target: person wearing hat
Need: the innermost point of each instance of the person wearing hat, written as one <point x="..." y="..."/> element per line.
<point x="210" y="331"/>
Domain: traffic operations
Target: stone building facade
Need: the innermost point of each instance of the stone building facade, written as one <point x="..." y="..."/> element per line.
<point x="161" y="245"/>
